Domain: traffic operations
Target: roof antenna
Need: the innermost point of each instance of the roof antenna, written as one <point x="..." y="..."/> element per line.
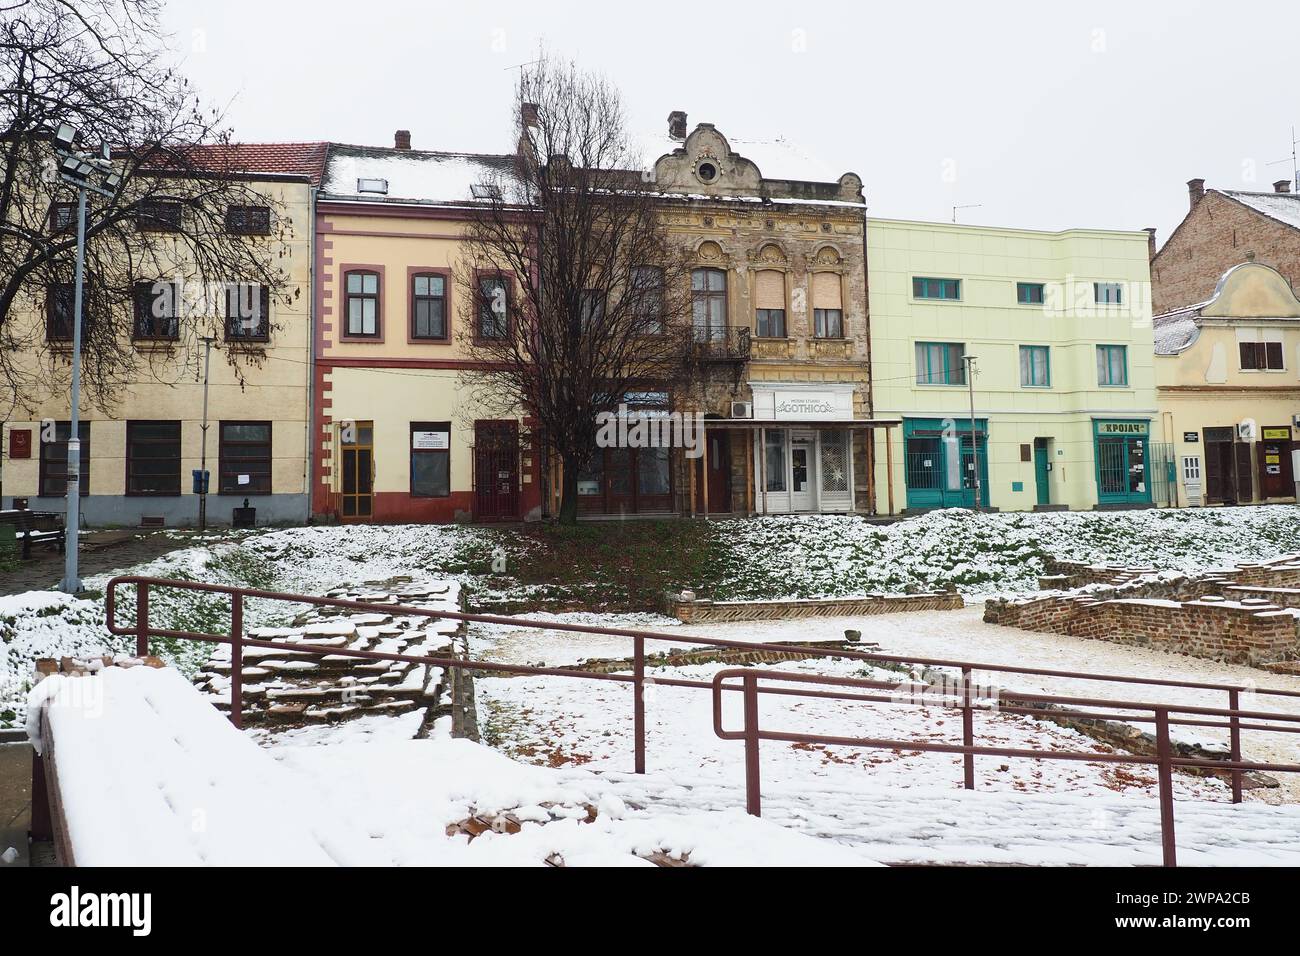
<point x="1295" y="166"/>
<point x="976" y="205"/>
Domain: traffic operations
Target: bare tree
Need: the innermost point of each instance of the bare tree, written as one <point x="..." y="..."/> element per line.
<point x="579" y="292"/>
<point x="97" y="65"/>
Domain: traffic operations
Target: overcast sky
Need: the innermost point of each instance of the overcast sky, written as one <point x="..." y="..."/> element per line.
<point x="1042" y="116"/>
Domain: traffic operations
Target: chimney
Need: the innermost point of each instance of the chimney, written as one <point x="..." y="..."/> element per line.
<point x="1151" y="242"/>
<point x="1195" y="190"/>
<point x="402" y="139"/>
<point x="528" y="115"/>
<point x="1282" y="186"/>
<point x="677" y="125"/>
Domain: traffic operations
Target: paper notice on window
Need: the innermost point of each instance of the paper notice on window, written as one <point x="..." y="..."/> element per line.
<point x="243" y="479"/>
<point x="430" y="441"/>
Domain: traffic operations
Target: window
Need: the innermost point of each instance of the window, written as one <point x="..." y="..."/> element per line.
<point x="1029" y="293"/>
<point x="362" y="294"/>
<point x="828" y="309"/>
<point x="828" y="323"/>
<point x="1262" y="356"/>
<point x="372" y="186"/>
<point x="248" y="312"/>
<point x="493" y="308"/>
<point x="63" y="216"/>
<point x="244" y="458"/>
<point x="774" y="460"/>
<point x="925" y="288"/>
<point x="648" y="296"/>
<point x="158" y="215"/>
<point x="249" y="220"/>
<point x="155" y="311"/>
<point x="153" y="458"/>
<point x="1035" y="366"/>
<point x="59" y="303"/>
<point x="430" y="459"/>
<point x="54" y="460"/>
<point x="1108" y="293"/>
<point x="709" y="304"/>
<point x="769" y="302"/>
<point x="940" y="363"/>
<point x="485" y="191"/>
<point x="1191" y="468"/>
<point x="428" y="306"/>
<point x="1112" y="365"/>
<point x="769" y="323"/>
<point x="591" y="308"/>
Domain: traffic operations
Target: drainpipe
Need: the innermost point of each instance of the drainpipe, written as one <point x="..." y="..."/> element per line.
<point x="871" y="403"/>
<point x="312" y="319"/>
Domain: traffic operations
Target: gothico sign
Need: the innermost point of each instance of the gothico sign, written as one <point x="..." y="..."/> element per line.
<point x="804" y="404"/>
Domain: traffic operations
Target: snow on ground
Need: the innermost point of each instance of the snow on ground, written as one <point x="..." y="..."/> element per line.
<point x="152" y="775"/>
<point x="39" y="624"/>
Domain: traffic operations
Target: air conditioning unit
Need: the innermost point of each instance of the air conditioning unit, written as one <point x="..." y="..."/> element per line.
<point x="742" y="410"/>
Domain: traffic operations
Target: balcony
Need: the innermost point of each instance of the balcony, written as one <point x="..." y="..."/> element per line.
<point x="720" y="346"/>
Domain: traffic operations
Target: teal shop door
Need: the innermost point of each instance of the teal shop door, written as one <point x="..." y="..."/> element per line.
<point x="939" y="470"/>
<point x="1041" y="473"/>
<point x="1122" y="476"/>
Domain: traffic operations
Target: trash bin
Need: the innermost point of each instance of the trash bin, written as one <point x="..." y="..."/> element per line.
<point x="244" y="517"/>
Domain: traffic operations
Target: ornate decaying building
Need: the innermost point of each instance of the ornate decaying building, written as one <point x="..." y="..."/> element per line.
<point x="780" y="325"/>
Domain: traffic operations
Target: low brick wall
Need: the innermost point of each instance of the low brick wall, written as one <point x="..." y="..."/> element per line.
<point x="1283" y="573"/>
<point x="702" y="612"/>
<point x="1233" y="632"/>
<point x="1282" y="597"/>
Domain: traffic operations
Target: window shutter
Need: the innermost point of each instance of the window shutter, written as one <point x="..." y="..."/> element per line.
<point x="769" y="290"/>
<point x="826" y="290"/>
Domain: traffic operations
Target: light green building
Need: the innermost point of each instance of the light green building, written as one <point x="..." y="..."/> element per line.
<point x="1058" y="325"/>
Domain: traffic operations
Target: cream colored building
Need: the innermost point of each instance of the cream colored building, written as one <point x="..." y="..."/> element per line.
<point x="1228" y="387"/>
<point x="402" y="431"/>
<point x="1058" y="325"/>
<point x="139" y="453"/>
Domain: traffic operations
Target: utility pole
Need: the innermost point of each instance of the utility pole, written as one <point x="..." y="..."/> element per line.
<point x="203" y="451"/>
<point x="76" y="168"/>
<point x="974" y="436"/>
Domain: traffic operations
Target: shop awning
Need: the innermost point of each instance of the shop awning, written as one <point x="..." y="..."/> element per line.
<point x="801" y="423"/>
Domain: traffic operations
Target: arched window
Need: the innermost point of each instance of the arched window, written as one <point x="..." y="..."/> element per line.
<point x="709" y="304"/>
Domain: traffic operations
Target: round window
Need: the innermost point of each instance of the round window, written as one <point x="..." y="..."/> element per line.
<point x="707" y="172"/>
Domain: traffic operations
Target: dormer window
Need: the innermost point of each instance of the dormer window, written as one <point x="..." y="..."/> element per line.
<point x="707" y="171"/>
<point x="485" y="191"/>
<point x="379" y="186"/>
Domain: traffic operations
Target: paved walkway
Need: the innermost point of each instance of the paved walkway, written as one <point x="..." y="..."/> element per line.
<point x="101" y="552"/>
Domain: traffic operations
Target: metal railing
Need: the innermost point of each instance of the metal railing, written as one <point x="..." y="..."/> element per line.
<point x="1164" y="760"/>
<point x="1235" y="719"/>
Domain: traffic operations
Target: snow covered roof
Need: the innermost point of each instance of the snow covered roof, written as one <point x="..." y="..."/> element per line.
<point x="1284" y="207"/>
<point x="1176" y="331"/>
<point x="408" y="175"/>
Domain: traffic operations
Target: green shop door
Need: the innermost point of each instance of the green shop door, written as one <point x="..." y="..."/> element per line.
<point x="1121" y="449"/>
<point x="940" y="463"/>
<point x="1041" y="472"/>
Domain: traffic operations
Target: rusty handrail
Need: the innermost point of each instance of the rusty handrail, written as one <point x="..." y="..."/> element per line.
<point x="1164" y="760"/>
<point x="142" y="631"/>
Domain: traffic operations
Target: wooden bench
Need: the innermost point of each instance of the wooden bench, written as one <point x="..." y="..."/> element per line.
<point x="32" y="527"/>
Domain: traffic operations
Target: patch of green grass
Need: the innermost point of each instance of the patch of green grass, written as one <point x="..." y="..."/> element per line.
<point x="610" y="566"/>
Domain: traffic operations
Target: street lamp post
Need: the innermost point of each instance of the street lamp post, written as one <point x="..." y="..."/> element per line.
<point x="76" y="168"/>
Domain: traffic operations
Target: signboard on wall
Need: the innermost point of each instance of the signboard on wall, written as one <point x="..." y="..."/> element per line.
<point x="805" y="404"/>
<point x="20" y="443"/>
<point x="1277" y="434"/>
<point x="430" y="441"/>
<point x="1121" y="428"/>
<point x="1191" y="437"/>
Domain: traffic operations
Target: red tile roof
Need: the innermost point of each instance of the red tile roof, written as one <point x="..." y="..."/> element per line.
<point x="295" y="159"/>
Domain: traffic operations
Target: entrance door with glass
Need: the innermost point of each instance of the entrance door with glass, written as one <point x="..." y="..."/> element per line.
<point x="357" y="440"/>
<point x="803" y="466"/>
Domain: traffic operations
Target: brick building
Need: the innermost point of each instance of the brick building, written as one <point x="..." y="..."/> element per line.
<point x="1224" y="228"/>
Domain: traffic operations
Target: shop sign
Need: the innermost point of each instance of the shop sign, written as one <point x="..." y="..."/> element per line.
<point x="805" y="404"/>
<point x="1275" y="434"/>
<point x="1121" y="428"/>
